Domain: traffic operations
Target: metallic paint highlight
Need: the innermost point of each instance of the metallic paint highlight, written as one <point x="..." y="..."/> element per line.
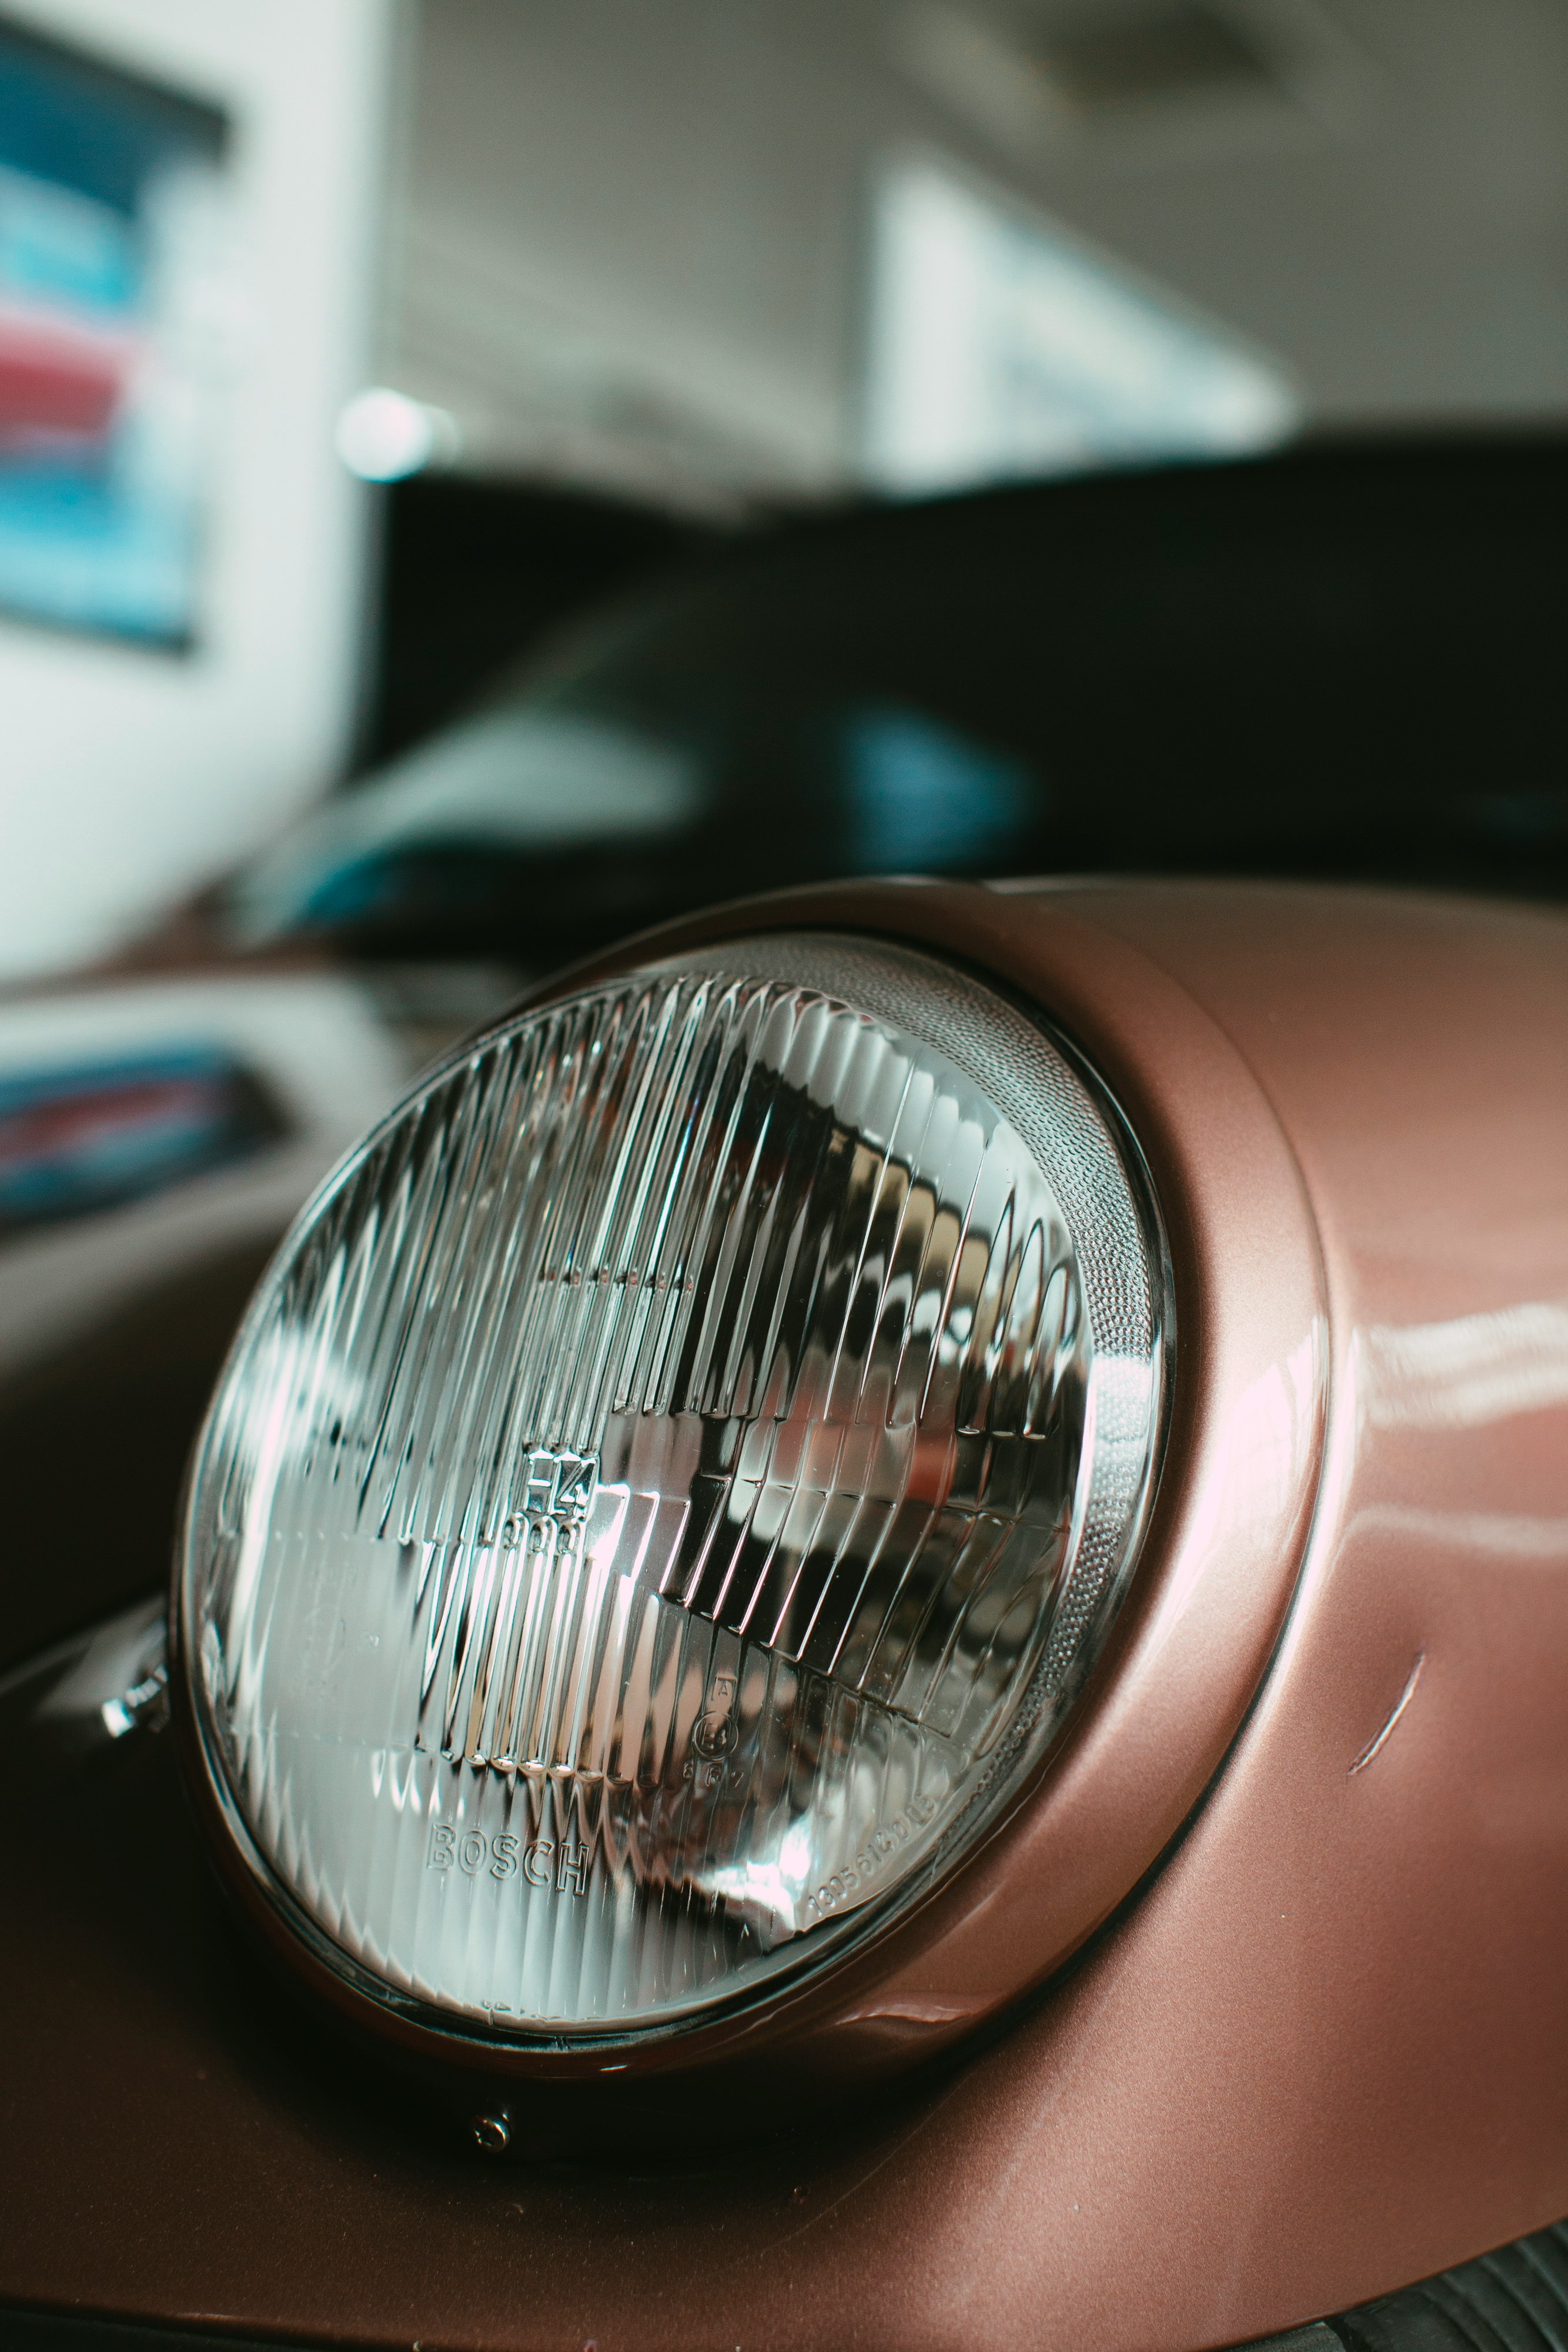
<point x="1319" y="2055"/>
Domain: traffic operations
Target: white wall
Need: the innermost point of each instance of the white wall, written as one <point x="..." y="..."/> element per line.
<point x="635" y="232"/>
<point x="1406" y="260"/>
<point x="631" y="233"/>
<point x="128" y="776"/>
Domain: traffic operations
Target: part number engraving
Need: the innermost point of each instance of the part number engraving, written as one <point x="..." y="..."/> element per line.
<point x="629" y="1277"/>
<point x="884" y="1841"/>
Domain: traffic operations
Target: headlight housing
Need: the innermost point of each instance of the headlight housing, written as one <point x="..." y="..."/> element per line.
<point x="670" y="1487"/>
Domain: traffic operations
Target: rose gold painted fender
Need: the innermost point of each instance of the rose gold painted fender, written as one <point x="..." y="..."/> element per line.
<point x="1323" y="2056"/>
<point x="1321" y="2053"/>
<point x="1216" y="1577"/>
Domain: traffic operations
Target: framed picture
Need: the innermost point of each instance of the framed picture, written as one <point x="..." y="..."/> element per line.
<point x="114" y="236"/>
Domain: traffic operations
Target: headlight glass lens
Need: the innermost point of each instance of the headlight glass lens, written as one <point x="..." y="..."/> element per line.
<point x="671" y="1485"/>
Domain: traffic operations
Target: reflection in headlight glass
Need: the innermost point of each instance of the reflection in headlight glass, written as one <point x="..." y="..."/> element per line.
<point x="666" y="1494"/>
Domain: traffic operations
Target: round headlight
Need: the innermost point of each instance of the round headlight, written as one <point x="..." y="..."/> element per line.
<point x="670" y="1486"/>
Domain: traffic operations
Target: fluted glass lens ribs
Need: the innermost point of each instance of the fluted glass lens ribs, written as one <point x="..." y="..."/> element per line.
<point x="649" y="1510"/>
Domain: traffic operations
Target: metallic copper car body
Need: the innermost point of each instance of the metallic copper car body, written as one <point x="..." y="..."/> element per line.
<point x="1250" y="2012"/>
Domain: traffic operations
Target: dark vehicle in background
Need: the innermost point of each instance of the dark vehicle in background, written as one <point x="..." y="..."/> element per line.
<point x="1339" y="663"/>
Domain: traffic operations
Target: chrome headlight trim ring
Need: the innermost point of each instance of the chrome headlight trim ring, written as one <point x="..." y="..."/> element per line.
<point x="1090" y="1164"/>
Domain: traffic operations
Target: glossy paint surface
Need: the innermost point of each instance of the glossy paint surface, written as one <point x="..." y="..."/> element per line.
<point x="1219" y="1563"/>
<point x="1321" y="2055"/>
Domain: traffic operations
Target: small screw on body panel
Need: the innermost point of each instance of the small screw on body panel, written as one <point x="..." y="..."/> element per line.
<point x="491" y="2133"/>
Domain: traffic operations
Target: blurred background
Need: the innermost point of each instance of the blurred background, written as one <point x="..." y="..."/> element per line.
<point x="353" y="350"/>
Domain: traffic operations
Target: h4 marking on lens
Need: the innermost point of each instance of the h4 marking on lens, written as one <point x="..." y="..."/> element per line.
<point x="487" y="1596"/>
<point x="558" y="1486"/>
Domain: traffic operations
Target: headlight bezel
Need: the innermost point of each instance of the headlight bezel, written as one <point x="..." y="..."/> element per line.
<point x="833" y="1996"/>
